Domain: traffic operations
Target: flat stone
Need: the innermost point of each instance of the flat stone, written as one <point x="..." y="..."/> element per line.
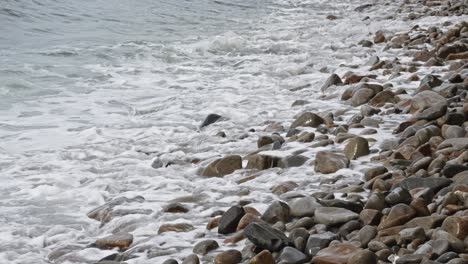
<point x="304" y="206"/>
<point x="428" y="105"/>
<point x="434" y="184"/>
<point x="363" y="257"/>
<point x="332" y="215"/>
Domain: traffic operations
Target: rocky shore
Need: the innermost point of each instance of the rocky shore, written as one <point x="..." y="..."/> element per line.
<point x="410" y="205"/>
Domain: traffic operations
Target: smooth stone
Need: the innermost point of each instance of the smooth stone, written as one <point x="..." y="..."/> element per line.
<point x="119" y="240"/>
<point x="399" y="214"/>
<point x="366" y="234"/>
<point x="290" y="255"/>
<point x="264" y="257"/>
<point x="410" y="234"/>
<point x="230" y="219"/>
<point x="265" y="237"/>
<point x="328" y="162"/>
<point x="302" y="207"/>
<point x="210" y="119"/>
<point x="356" y="147"/>
<point x="292" y="161"/>
<point x="230" y="256"/>
<point x="277" y="211"/>
<point x="332" y="215"/>
<point x="222" y="166"/>
<point x="457" y="226"/>
<point x="398" y="195"/>
<point x="428" y="105"/>
<point x="307" y="119"/>
<point x="434" y="184"/>
<point x="336" y="254"/>
<point x="191" y="259"/>
<point x="363" y="257"/>
<point x="334" y="79"/>
<point x="181" y="227"/>
<point x="203" y="247"/>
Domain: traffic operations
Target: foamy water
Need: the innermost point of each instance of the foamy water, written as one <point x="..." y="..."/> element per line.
<point x="83" y="125"/>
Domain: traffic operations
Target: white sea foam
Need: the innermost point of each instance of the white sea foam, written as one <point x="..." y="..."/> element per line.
<point x="84" y="147"/>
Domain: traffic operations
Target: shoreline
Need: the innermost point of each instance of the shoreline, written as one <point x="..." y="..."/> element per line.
<point x="377" y="99"/>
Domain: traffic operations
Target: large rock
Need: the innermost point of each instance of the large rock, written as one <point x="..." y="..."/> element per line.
<point x="333" y="215"/>
<point x="426" y="222"/>
<point x="222" y="166"/>
<point x="118" y="240"/>
<point x="230" y="219"/>
<point x="302" y="207"/>
<point x="399" y="215"/>
<point x="428" y="105"/>
<point x="332" y="80"/>
<point x="307" y="119"/>
<point x="336" y="254"/>
<point x="292" y="161"/>
<point x="328" y="162"/>
<point x="363" y="256"/>
<point x="356" y="147"/>
<point x="264" y="236"/>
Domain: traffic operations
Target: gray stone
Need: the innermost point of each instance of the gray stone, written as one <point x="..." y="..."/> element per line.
<point x="203" y="247"/>
<point x="210" y="119"/>
<point x="264" y="236"/>
<point x="332" y="216"/>
<point x="290" y="255"/>
<point x="230" y="219"/>
<point x="277" y="211"/>
<point x="304" y="206"/>
<point x="356" y="147"/>
<point x="334" y="79"/>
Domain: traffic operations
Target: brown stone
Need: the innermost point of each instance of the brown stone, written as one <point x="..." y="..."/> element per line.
<point x="213" y="223"/>
<point x="336" y="254"/>
<point x="457" y="226"/>
<point x="222" y="166"/>
<point x="119" y="240"/>
<point x="263" y="257"/>
<point x="231" y="256"/>
<point x="328" y="162"/>
<point x="370" y="217"/>
<point x="356" y="147"/>
<point x="181" y="227"/>
<point x="399" y="214"/>
<point x="247" y="219"/>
